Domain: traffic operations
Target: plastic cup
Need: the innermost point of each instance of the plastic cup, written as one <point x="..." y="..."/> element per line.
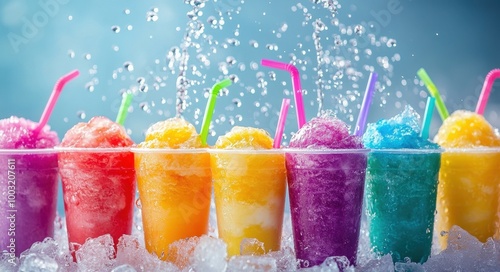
<point x="99" y="192"/>
<point x="175" y="187"/>
<point x="249" y="188"/>
<point x="28" y="182"/>
<point x="468" y="193"/>
<point x="400" y="199"/>
<point x="326" y="196"/>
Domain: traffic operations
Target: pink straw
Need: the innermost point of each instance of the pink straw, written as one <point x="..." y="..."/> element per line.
<point x="297" y="87"/>
<point x="365" y="105"/>
<point x="53" y="99"/>
<point x="485" y="92"/>
<point x="281" y="123"/>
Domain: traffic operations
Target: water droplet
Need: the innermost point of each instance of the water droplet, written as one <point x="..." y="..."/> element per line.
<point x="212" y="20"/>
<point x="138" y="203"/>
<point x="90" y="86"/>
<point x="75" y="200"/>
<point x="126" y="11"/>
<point x="144" y="88"/>
<point x="151" y="16"/>
<point x="254" y="44"/>
<point x="70" y="17"/>
<point x="237" y="102"/>
<point x="71" y="54"/>
<point x="230" y="60"/>
<point x="87" y="56"/>
<point x="359" y="30"/>
<point x="391" y="43"/>
<point x="128" y="66"/>
<point x="144" y="106"/>
<point x="130" y="27"/>
<point x="81" y="114"/>
<point x="115" y="29"/>
<point x="272" y="75"/>
<point x="272" y="47"/>
<point x="116" y="48"/>
<point x="233" y="42"/>
<point x="234" y="78"/>
<point x="141" y="80"/>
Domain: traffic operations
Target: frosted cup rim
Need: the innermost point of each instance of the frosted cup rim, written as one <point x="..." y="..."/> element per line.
<point x="246" y="151"/>
<point x="472" y="150"/>
<point x="61" y="149"/>
<point x="327" y="151"/>
<point x="142" y="150"/>
<point x="409" y="151"/>
<point x="28" y="151"/>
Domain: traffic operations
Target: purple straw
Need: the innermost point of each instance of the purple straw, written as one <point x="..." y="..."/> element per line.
<point x="365" y="105"/>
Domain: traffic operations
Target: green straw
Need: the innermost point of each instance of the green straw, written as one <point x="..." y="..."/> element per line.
<point x="209" y="110"/>
<point x="426" y="123"/>
<point x="443" y="112"/>
<point x="123" y="111"/>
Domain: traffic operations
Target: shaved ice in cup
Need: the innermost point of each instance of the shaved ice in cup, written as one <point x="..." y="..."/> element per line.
<point x="175" y="185"/>
<point x="249" y="187"/>
<point x="28" y="184"/>
<point x="401" y="186"/>
<point x="326" y="174"/>
<point x="468" y="192"/>
<point x="98" y="177"/>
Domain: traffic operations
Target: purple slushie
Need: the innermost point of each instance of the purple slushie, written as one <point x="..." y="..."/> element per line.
<point x="326" y="173"/>
<point x="28" y="184"/>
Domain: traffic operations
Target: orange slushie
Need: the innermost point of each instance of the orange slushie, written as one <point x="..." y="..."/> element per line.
<point x="174" y="182"/>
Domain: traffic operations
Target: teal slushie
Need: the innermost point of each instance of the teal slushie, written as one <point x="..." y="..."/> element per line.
<point x="401" y="186"/>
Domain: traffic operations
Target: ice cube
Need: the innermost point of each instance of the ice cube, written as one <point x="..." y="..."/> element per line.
<point x="459" y="239"/>
<point x="37" y="262"/>
<point x="383" y="264"/>
<point x="50" y="248"/>
<point x="130" y="252"/>
<point x="252" y="246"/>
<point x="285" y="259"/>
<point x="460" y="255"/>
<point x="406" y="267"/>
<point x="251" y="263"/>
<point x="124" y="268"/>
<point x="96" y="254"/>
<point x="181" y="252"/>
<point x="209" y="255"/>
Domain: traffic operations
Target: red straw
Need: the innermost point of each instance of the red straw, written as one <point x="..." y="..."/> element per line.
<point x="281" y="123"/>
<point x="485" y="92"/>
<point x="53" y="99"/>
<point x="297" y="87"/>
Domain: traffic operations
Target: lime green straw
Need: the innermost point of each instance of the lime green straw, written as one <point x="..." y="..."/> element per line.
<point x="123" y="111"/>
<point x="209" y="110"/>
<point x="443" y="112"/>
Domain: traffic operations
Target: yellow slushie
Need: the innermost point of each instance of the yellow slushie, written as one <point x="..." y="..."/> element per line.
<point x="249" y="187"/>
<point x="469" y="180"/>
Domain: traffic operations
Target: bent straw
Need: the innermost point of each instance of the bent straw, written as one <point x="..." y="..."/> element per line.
<point x="443" y="112"/>
<point x="281" y="123"/>
<point x="297" y="87"/>
<point x="209" y="110"/>
<point x="365" y="105"/>
<point x="58" y="87"/>
<point x="123" y="111"/>
<point x="485" y="92"/>
<point x="426" y="123"/>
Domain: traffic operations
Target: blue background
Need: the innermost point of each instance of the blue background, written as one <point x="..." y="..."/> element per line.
<point x="456" y="41"/>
